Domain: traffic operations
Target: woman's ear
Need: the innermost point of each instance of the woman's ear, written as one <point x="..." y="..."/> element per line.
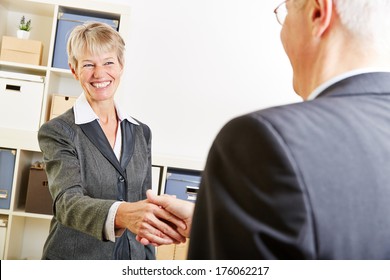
<point x="321" y="16"/>
<point x="73" y="72"/>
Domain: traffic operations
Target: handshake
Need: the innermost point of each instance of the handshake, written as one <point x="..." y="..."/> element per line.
<point x="158" y="220"/>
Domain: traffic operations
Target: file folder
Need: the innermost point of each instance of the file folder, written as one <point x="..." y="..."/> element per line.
<point x="67" y="20"/>
<point x="7" y="166"/>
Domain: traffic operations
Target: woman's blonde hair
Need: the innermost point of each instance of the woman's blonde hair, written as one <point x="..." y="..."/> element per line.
<point x="95" y="37"/>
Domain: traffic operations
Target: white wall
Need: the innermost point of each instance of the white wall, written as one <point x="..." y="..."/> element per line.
<point x="194" y="64"/>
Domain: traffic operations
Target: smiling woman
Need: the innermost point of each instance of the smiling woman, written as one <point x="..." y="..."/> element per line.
<point x="97" y="38"/>
<point x="99" y="76"/>
<point x="98" y="162"/>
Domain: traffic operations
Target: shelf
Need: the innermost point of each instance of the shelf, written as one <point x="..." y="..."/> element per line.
<point x="178" y="162"/>
<point x="32" y="215"/>
<point x="26" y="237"/>
<point x="65" y="73"/>
<point x="19" y="139"/>
<point x="26" y="232"/>
<point x="41" y="8"/>
<point x="5" y="212"/>
<point x="23" y="68"/>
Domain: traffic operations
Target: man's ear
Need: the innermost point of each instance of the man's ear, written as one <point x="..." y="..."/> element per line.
<point x="321" y="16"/>
<point x="73" y="72"/>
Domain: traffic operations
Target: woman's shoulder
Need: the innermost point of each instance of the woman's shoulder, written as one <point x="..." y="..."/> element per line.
<point x="140" y="126"/>
<point x="64" y="122"/>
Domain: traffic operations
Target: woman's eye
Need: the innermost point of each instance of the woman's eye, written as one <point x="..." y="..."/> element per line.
<point x="88" y="65"/>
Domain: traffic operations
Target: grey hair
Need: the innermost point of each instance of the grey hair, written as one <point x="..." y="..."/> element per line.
<point x="367" y="20"/>
<point x="97" y="38"/>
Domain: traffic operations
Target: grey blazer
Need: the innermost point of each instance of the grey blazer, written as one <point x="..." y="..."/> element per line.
<point x="303" y="181"/>
<point x="85" y="179"/>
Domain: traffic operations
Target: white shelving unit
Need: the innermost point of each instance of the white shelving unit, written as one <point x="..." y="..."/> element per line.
<point x="27" y="232"/>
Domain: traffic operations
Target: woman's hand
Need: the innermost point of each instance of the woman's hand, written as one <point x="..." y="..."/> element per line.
<point x="181" y="210"/>
<point x="151" y="222"/>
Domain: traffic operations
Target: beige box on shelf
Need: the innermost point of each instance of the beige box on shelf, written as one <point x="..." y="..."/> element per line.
<point x="173" y="252"/>
<point x="21" y="50"/>
<point x="60" y="104"/>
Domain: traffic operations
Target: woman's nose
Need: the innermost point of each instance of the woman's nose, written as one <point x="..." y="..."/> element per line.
<point x="98" y="71"/>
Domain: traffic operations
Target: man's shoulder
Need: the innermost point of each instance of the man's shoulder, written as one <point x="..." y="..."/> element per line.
<point x="300" y="112"/>
<point x="292" y="118"/>
<point x="288" y="112"/>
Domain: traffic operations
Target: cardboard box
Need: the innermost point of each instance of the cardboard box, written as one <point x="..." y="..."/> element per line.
<point x="60" y="104"/>
<point x="165" y="252"/>
<point x="38" y="199"/>
<point x="21" y="50"/>
<point x="173" y="252"/>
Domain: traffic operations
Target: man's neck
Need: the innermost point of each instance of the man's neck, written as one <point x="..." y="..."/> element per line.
<point x="336" y="57"/>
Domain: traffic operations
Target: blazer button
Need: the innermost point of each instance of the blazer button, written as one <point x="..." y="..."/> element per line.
<point x="121" y="179"/>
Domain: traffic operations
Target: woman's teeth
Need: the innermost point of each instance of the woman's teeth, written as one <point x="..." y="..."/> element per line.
<point x="100" y="85"/>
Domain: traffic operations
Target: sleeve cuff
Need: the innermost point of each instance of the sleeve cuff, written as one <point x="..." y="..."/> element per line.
<point x="109" y="228"/>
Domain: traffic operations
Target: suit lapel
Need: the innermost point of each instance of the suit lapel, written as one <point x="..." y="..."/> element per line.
<point x="96" y="135"/>
<point x="128" y="142"/>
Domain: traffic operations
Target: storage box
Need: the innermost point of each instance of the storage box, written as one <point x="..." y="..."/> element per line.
<point x="173" y="251"/>
<point x="21" y="50"/>
<point x="184" y="184"/>
<point x="3" y="234"/>
<point x="38" y="199"/>
<point x="7" y="166"/>
<point x="21" y="101"/>
<point x="60" y="104"/>
<point x="69" y="19"/>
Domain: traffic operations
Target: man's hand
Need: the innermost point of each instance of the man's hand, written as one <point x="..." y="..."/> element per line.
<point x="182" y="211"/>
<point x="150" y="221"/>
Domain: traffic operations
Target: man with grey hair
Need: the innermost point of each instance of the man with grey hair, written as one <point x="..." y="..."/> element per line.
<point x="308" y="180"/>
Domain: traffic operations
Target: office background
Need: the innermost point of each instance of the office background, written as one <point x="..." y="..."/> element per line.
<point x="194" y="64"/>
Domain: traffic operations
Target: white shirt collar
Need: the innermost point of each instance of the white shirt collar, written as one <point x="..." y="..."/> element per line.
<point x="343" y="76"/>
<point x="84" y="113"/>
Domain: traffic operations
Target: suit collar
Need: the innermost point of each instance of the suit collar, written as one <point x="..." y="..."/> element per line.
<point x="84" y="113"/>
<point x="363" y="83"/>
<point x="96" y="135"/>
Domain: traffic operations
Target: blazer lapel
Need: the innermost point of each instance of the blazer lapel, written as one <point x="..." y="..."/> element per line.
<point x="96" y="135"/>
<point x="127" y="143"/>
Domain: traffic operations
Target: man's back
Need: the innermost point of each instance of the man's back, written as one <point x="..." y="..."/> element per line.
<point x="303" y="181"/>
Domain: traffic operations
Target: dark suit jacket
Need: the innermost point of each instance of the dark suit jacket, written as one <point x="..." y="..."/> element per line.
<point x="85" y="179"/>
<point x="303" y="181"/>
